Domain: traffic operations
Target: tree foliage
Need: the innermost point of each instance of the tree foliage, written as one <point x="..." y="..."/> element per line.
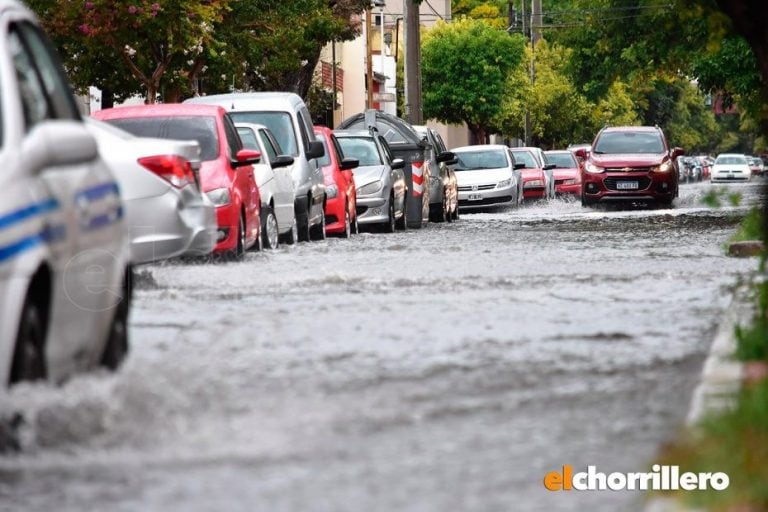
<point x="559" y="113"/>
<point x="167" y="47"/>
<point x="465" y="66"/>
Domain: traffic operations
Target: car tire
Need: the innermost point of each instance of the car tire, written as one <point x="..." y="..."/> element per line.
<point x="317" y="232"/>
<point x="389" y="226"/>
<point x="269" y="229"/>
<point x="355" y="226"/>
<point x="292" y="236"/>
<point x="347" y="224"/>
<point x="239" y="251"/>
<point x="29" y="354"/>
<point x="116" y="346"/>
<point x="455" y="213"/>
<point x="402" y="223"/>
<point x="302" y="223"/>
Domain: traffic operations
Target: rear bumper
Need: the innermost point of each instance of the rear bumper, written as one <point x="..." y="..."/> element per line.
<point x="170" y="225"/>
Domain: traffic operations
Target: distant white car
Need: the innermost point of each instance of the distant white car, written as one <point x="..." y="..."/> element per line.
<point x="730" y="167"/>
<point x="274" y="179"/>
<point x="165" y="211"/>
<point x="65" y="277"/>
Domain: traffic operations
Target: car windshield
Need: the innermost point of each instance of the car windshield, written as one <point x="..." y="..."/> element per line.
<point x="526" y="158"/>
<point x="629" y="142"/>
<point x="199" y="128"/>
<point x="326" y="158"/>
<point x="731" y="160"/>
<point x="474" y="160"/>
<point x="248" y="138"/>
<point x="561" y="160"/>
<point x="362" y="148"/>
<point x="279" y="123"/>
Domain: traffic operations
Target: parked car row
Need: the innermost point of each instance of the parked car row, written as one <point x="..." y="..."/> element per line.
<point x="83" y="201"/>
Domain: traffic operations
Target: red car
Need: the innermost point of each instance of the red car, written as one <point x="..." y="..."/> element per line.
<point x="226" y="172"/>
<point x="341" y="197"/>
<point x="630" y="164"/>
<point x="567" y="172"/>
<point x="536" y="183"/>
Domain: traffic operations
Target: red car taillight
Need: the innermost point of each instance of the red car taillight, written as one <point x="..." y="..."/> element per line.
<point x="174" y="169"/>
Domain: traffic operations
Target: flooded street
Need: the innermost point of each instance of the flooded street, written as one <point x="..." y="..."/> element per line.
<point x="448" y="368"/>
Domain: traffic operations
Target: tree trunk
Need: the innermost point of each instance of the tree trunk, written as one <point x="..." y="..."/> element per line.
<point x="477" y="134"/>
<point x="152" y="88"/>
<point x="107" y="98"/>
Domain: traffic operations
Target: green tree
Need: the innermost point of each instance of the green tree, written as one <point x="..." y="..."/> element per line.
<point x="274" y="45"/>
<point x="559" y="113"/>
<point x="692" y="124"/>
<point x="465" y="66"/>
<point x="615" y="108"/>
<point x="161" y="46"/>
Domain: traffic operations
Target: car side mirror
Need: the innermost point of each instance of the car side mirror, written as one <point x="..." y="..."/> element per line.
<point x="519" y="165"/>
<point x="316" y="150"/>
<point x="445" y="156"/>
<point x="59" y="143"/>
<point x="349" y="163"/>
<point x="549" y="167"/>
<point x="282" y="161"/>
<point x="246" y="157"/>
<point x="676" y="152"/>
<point x="398" y="163"/>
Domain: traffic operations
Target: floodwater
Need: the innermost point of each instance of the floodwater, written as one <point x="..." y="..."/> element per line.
<point x="448" y="368"/>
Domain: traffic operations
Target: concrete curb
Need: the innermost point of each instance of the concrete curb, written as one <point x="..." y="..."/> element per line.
<point x="720" y="381"/>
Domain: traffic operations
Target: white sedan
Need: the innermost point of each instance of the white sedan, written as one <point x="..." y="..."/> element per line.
<point x="730" y="167"/>
<point x="487" y="176"/>
<point x="65" y="278"/>
<point x="166" y="213"/>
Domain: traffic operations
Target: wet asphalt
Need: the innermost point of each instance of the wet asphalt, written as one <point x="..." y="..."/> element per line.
<point x="447" y="368"/>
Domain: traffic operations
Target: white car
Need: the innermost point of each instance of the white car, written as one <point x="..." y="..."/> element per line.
<point x="275" y="181"/>
<point x="730" y="167"/>
<point x="65" y="278"/>
<point x="166" y="213"/>
<point x="487" y="176"/>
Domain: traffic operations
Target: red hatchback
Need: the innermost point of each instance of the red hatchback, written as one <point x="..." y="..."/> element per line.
<point x="226" y="172"/>
<point x="630" y="164"/>
<point x="567" y="172"/>
<point x="341" y="197"/>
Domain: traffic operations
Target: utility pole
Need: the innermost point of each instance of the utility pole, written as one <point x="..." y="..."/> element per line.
<point x="536" y="21"/>
<point x="413" y="109"/>
<point x="535" y="36"/>
<point x="368" y="60"/>
<point x="527" y="129"/>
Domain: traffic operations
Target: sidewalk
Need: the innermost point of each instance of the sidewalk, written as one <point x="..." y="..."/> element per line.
<point x="720" y="381"/>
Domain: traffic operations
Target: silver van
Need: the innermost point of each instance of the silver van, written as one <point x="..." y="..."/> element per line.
<point x="287" y="117"/>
